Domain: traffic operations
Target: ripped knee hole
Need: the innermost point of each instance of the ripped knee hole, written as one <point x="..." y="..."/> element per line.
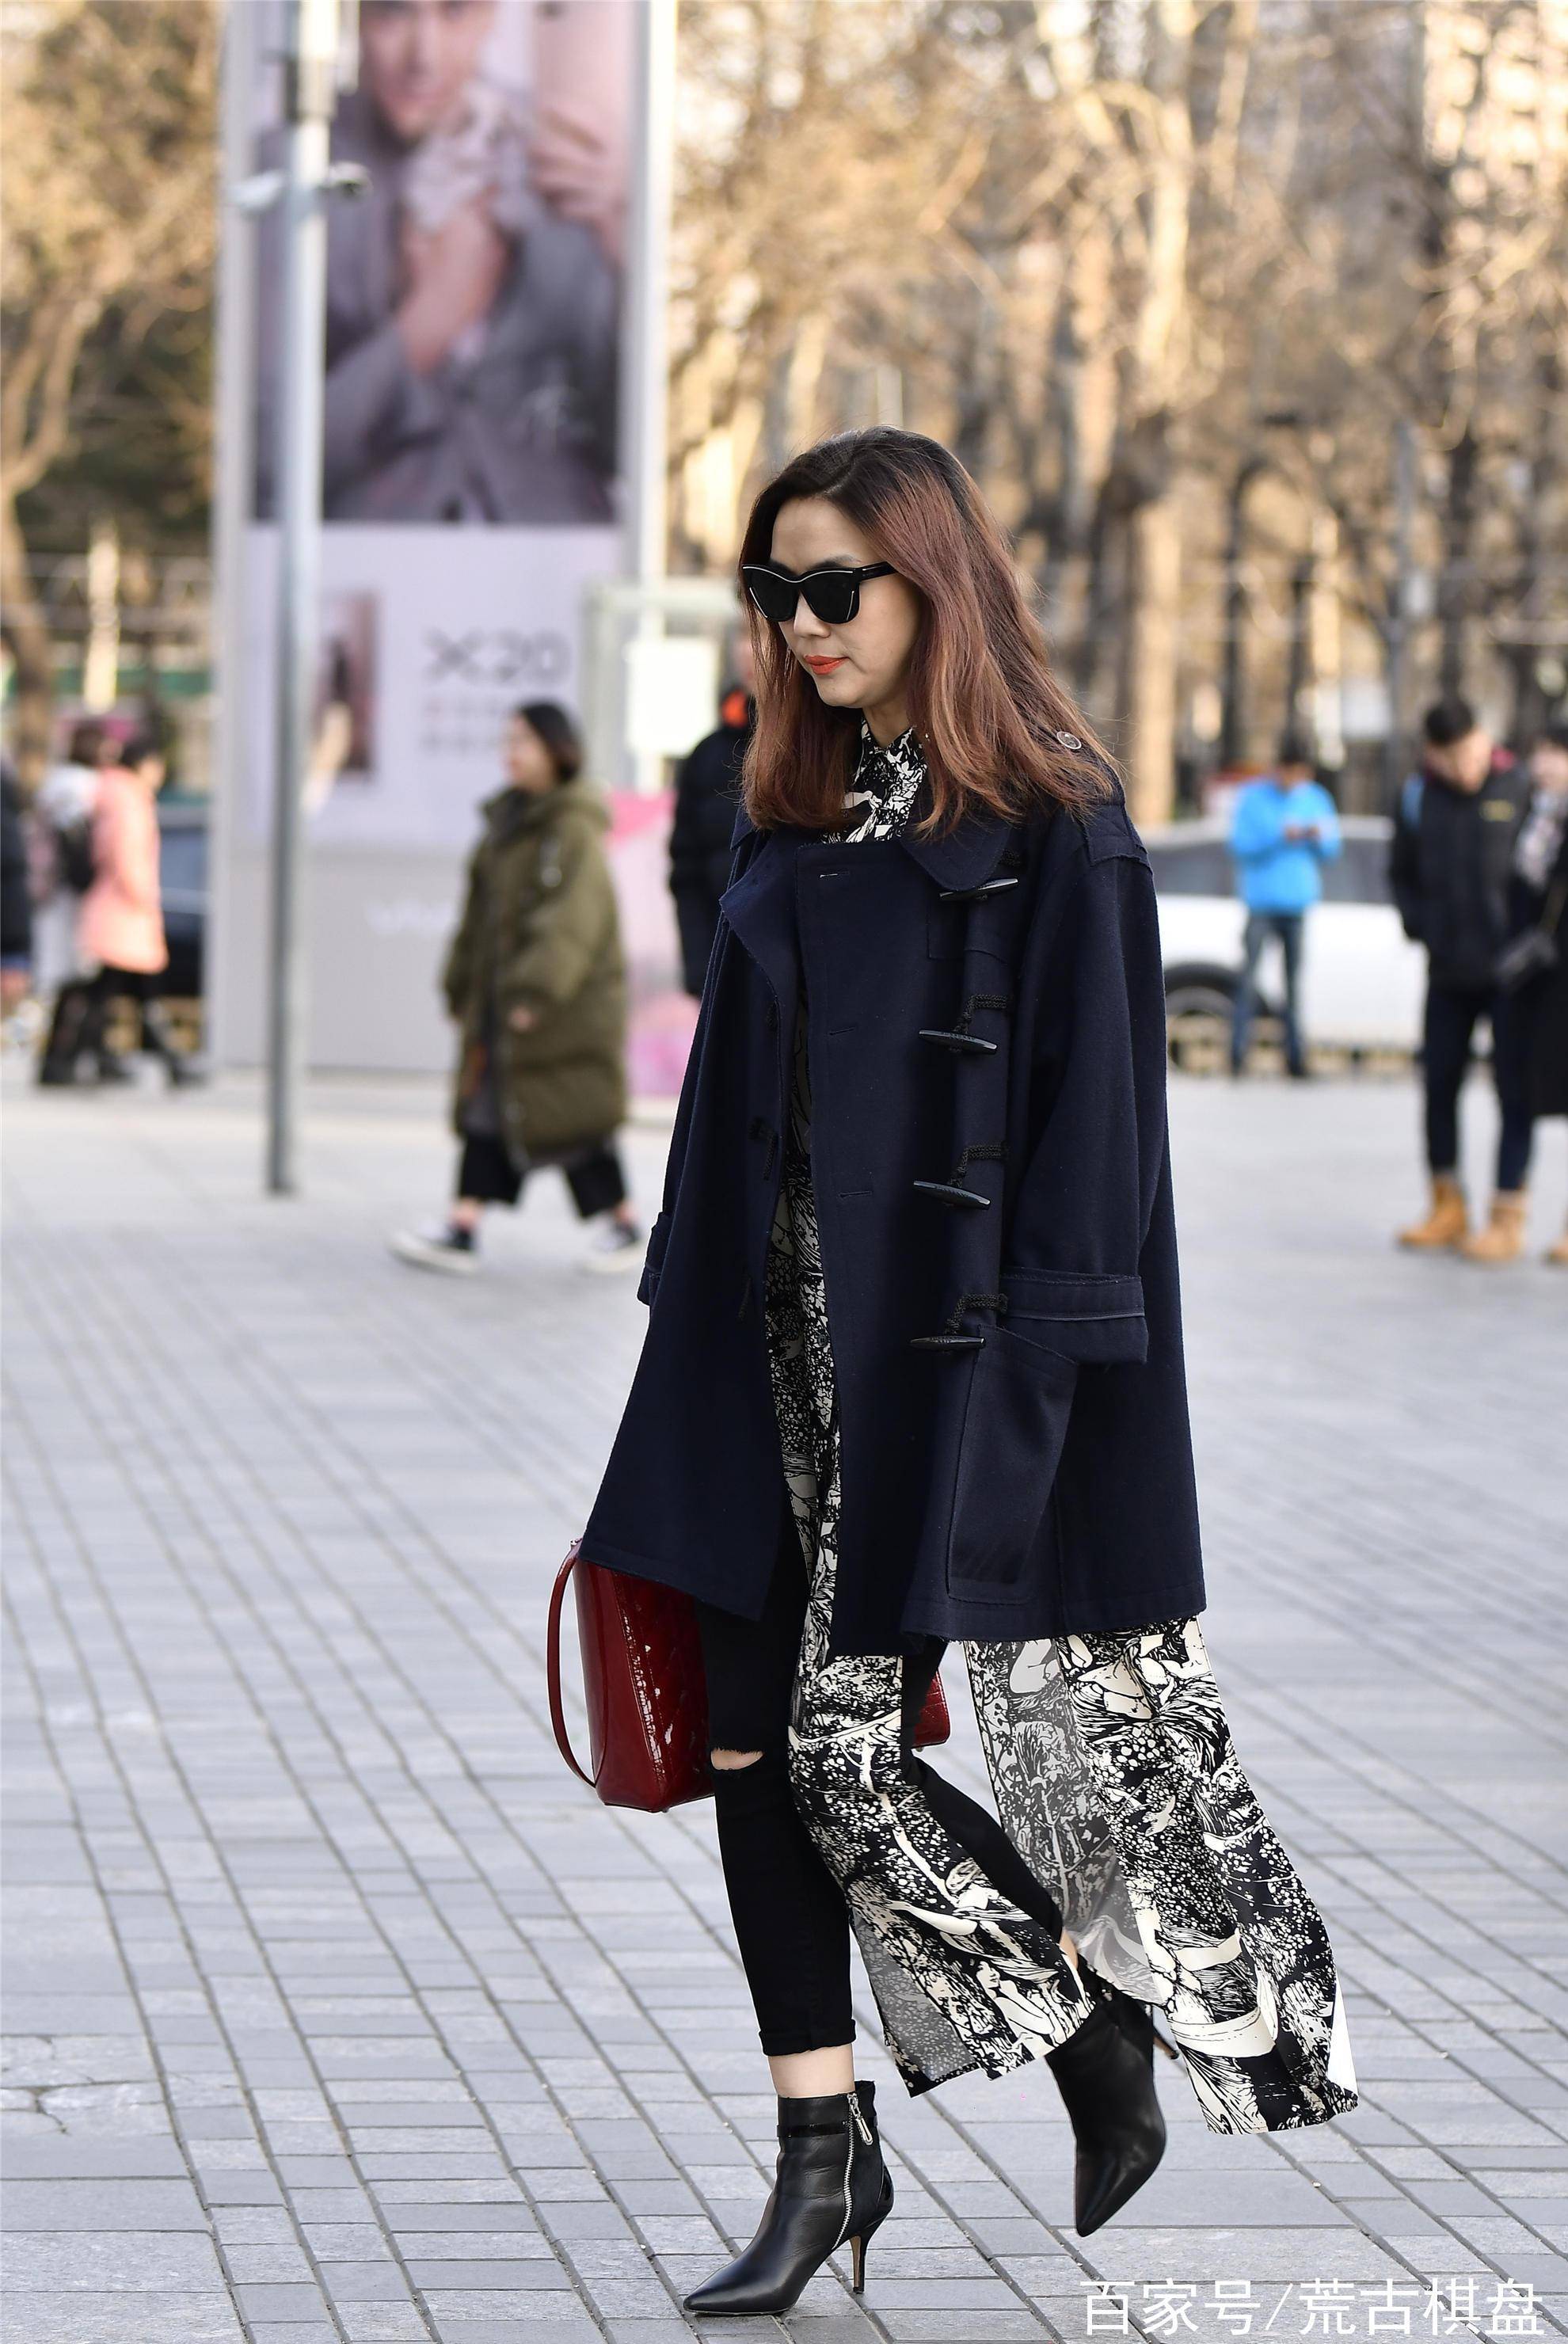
<point x="728" y="1761"/>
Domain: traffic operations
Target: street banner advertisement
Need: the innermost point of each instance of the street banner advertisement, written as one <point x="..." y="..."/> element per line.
<point x="473" y="485"/>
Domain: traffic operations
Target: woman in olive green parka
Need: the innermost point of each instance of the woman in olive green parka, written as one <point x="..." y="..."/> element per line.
<point x="537" y="984"/>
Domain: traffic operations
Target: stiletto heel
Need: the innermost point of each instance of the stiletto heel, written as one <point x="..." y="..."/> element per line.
<point x="832" y="2189"/>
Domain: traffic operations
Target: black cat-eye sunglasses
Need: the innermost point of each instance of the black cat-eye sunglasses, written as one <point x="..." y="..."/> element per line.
<point x="832" y="595"/>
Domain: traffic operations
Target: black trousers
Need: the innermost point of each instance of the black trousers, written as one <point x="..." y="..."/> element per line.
<point x="791" y="1923"/>
<point x="487" y="1173"/>
<point x="1453" y="1014"/>
<point x="96" y="996"/>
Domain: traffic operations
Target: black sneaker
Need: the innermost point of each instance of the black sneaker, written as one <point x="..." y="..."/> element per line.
<point x="444" y="1247"/>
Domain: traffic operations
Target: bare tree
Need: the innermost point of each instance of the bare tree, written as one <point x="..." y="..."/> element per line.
<point x="110" y="118"/>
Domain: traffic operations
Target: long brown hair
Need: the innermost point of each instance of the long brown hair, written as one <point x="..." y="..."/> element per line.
<point x="982" y="699"/>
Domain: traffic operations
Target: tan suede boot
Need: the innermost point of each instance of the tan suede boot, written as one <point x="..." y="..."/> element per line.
<point x="1446" y="1224"/>
<point x="1557" y="1255"/>
<point x="1502" y="1239"/>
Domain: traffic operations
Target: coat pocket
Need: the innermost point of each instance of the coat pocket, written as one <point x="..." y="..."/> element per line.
<point x="654" y="1261"/>
<point x="1015" y="1422"/>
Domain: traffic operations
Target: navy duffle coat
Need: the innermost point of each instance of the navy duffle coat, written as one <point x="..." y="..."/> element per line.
<point x="987" y="1045"/>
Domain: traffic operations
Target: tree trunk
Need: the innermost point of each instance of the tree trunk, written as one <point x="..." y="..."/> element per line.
<point x="1299" y="678"/>
<point x="27" y="637"/>
<point x="1233" y="688"/>
<point x="1154" y="606"/>
<point x="1455" y="588"/>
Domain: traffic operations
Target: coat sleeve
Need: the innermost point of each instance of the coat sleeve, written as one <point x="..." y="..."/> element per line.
<point x="659" y="1234"/>
<point x="1326" y="814"/>
<point x="685" y="847"/>
<point x="457" y="976"/>
<point x="1087" y="1193"/>
<point x="1404" y="861"/>
<point x="567" y="930"/>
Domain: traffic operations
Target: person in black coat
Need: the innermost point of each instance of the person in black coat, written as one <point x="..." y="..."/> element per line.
<point x="1454" y="829"/>
<point x="1539" y="904"/>
<point x="913" y="1373"/>
<point x="16" y="895"/>
<point x="708" y="792"/>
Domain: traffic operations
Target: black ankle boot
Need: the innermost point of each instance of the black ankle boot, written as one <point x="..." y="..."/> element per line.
<point x="832" y="2185"/>
<point x="1106" y="2076"/>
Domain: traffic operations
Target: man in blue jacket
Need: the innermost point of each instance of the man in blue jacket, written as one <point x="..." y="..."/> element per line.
<point x="1283" y="831"/>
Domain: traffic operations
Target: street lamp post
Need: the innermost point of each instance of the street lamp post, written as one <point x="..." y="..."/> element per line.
<point x="312" y="63"/>
<point x="311" y="78"/>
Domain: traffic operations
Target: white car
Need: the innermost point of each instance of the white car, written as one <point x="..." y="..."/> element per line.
<point x="1363" y="980"/>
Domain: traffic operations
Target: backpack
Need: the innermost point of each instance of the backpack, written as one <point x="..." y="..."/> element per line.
<point x="75" y="866"/>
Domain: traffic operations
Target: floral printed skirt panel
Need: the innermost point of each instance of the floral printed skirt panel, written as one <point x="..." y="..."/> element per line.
<point x="1116" y="1776"/>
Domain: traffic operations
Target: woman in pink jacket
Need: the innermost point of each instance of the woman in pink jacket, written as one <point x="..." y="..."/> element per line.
<point x="121" y="922"/>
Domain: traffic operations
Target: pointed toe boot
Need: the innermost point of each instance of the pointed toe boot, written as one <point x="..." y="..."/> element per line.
<point x="832" y="2185"/>
<point x="1105" y="2074"/>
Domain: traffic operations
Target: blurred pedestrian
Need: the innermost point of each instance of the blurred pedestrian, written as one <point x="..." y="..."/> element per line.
<point x="708" y="792"/>
<point x="121" y="928"/>
<point x="1284" y="829"/>
<point x="536" y="980"/>
<point x="1534" y="968"/>
<point x="16" y="897"/>
<point x="1455" y="827"/>
<point x="63" y="814"/>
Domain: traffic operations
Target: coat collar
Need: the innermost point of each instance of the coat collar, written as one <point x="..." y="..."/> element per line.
<point x="962" y="856"/>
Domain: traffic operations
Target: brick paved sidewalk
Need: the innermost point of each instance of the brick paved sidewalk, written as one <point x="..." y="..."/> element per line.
<point x="339" y="2011"/>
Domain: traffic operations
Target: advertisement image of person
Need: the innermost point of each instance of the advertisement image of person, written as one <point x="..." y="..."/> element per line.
<point x="472" y="291"/>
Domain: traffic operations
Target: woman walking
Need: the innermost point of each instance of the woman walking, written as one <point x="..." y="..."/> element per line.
<point x="63" y="809"/>
<point x="914" y="1374"/>
<point x="120" y="929"/>
<point x="537" y="984"/>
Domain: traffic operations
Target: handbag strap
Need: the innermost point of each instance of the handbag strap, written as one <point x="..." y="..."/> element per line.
<point x="553" y="1668"/>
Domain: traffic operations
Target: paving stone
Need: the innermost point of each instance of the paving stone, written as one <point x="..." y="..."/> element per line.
<point x="103" y="2261"/>
<point x="97" y="2204"/>
<point x="279" y="1576"/>
<point x="81" y="2317"/>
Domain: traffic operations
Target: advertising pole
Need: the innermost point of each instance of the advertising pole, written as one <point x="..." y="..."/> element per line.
<point x="311" y="79"/>
<point x="648" y="279"/>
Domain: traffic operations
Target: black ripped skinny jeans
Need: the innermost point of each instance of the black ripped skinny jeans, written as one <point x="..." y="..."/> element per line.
<point x="791" y="1921"/>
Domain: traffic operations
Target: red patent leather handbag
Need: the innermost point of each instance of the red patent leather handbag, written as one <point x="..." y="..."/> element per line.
<point x="643" y="1686"/>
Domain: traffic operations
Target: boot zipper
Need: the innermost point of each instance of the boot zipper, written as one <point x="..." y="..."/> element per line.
<point x="860" y="2124"/>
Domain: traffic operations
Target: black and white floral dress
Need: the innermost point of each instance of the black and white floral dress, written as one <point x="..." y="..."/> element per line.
<point x="1111" y="1764"/>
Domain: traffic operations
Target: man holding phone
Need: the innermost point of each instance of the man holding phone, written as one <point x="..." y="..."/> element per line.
<point x="1284" y="829"/>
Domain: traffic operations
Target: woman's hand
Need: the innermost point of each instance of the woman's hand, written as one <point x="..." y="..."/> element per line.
<point x="455" y="273"/>
<point x="522" y="1020"/>
<point x="580" y="174"/>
